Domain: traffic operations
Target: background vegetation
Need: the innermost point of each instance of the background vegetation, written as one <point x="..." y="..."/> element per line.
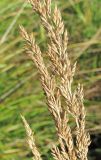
<point x="20" y="90"/>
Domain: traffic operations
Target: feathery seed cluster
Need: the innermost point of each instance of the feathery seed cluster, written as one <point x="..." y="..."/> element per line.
<point x="69" y="148"/>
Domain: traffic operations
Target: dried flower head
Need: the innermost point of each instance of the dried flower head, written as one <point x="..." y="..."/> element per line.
<point x="69" y="148"/>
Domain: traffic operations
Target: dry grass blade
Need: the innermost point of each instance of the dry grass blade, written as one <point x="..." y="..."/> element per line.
<point x="59" y="85"/>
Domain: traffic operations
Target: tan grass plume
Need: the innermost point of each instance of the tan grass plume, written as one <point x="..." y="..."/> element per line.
<point x="58" y="87"/>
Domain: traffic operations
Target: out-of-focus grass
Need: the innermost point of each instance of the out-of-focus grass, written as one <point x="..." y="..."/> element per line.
<point x="20" y="91"/>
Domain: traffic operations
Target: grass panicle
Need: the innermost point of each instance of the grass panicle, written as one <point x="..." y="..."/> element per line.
<point x="31" y="141"/>
<point x="62" y="100"/>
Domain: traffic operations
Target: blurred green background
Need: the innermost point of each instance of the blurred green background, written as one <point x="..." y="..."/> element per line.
<point x="20" y="89"/>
